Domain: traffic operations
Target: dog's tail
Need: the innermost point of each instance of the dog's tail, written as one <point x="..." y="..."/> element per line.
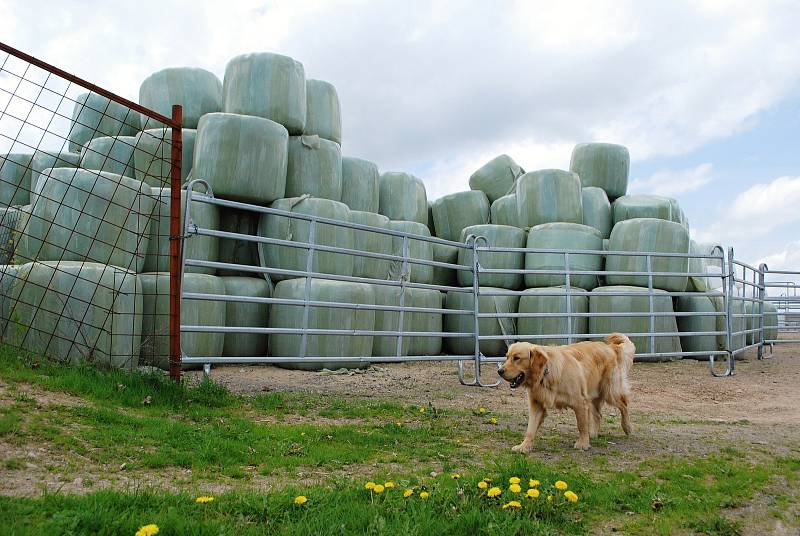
<point x="626" y="351"/>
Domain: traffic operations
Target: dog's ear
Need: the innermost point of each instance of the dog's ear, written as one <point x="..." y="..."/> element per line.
<point x="538" y="356"/>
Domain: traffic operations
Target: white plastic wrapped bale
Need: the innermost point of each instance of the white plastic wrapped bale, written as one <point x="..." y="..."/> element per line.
<point x="403" y="197"/>
<point x="753" y="322"/>
<point x="196" y="247"/>
<point x="642" y="206"/>
<point x="702" y="322"/>
<point x="499" y="236"/>
<point x="8" y="275"/>
<point x="242" y="158"/>
<point x="155" y="317"/>
<point x="604" y="165"/>
<point x="267" y="85"/>
<point x="426" y="321"/>
<point x="460" y="323"/>
<point x="43" y="160"/>
<point x="573" y="236"/>
<point x="417" y="249"/>
<point x="298" y="230"/>
<point x="597" y="210"/>
<point x="198" y="91"/>
<point x="291" y="316"/>
<point x="504" y="211"/>
<point x="15" y="179"/>
<point x="453" y="212"/>
<point x="95" y="216"/>
<point x="323" y="113"/>
<point x="552" y="301"/>
<point x="314" y="168"/>
<point x="386" y="346"/>
<point x="238" y="251"/>
<point x="496" y="177"/>
<point x="549" y="195"/>
<point x="371" y="242"/>
<point x="110" y="153"/>
<point x="635" y="300"/>
<point x="441" y="275"/>
<point x="95" y="116"/>
<point x="648" y="235"/>
<point x="246" y="314"/>
<point x="152" y="156"/>
<point x="698" y="265"/>
<point x="360" y="184"/>
<point x="76" y="311"/>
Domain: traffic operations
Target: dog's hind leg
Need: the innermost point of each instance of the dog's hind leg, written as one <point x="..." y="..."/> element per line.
<point x="536" y="414"/>
<point x="622" y="404"/>
<point x="582" y="410"/>
<point x="596" y="417"/>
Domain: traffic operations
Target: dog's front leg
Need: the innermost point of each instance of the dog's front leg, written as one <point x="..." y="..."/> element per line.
<point x="582" y="416"/>
<point x="536" y="414"/>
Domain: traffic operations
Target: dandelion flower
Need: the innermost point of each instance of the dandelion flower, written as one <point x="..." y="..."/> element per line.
<point x="549" y="498"/>
<point x="424" y="495"/>
<point x="533" y="483"/>
<point x="422" y="409"/>
<point x="398" y="423"/>
<point x="570" y="496"/>
<point x="482" y="484"/>
<point x="378" y="488"/>
<point x="514" y="480"/>
<point x="514" y="488"/>
<point x="532" y="493"/>
<point x="300" y="500"/>
<point x="493" y="420"/>
<point x="455" y="476"/>
<point x="561" y="485"/>
<point x="147" y="530"/>
<point x="512" y="504"/>
<point x="408" y="493"/>
<point x="481" y="410"/>
<point x="388" y="485"/>
<point x="369" y="485"/>
<point x="204" y="499"/>
<point x="494" y="492"/>
<point x="487" y="480"/>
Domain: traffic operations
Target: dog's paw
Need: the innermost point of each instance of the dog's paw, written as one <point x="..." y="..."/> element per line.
<point x="523" y="447"/>
<point x="581" y="445"/>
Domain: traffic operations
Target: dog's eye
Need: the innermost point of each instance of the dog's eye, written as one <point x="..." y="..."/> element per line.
<point x="516" y="358"/>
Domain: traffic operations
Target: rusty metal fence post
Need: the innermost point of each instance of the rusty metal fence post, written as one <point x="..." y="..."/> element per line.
<point x="175" y="244"/>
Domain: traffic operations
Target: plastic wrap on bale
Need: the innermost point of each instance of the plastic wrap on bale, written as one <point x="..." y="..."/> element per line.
<point x="504" y="211"/>
<point x="198" y="91"/>
<point x="499" y="236"/>
<point x="597" y="210"/>
<point x="95" y="116"/>
<point x="496" y="178"/>
<point x="246" y="314"/>
<point x="549" y="195"/>
<point x="403" y="197"/>
<point x="453" y="212"/>
<point x="314" y="168"/>
<point x="573" y="236"/>
<point x="360" y="184"/>
<point x="417" y="249"/>
<point x="323" y="112"/>
<point x="371" y="242"/>
<point x="553" y="302"/>
<point x="15" y="179"/>
<point x="464" y="323"/>
<point x="110" y="153"/>
<point x="152" y="156"/>
<point x="604" y="165"/>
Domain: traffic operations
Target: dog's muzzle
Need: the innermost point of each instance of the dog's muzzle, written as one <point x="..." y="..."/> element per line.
<point x="516" y="382"/>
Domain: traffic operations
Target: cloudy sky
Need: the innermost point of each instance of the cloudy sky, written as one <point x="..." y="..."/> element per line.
<point x="706" y="94"/>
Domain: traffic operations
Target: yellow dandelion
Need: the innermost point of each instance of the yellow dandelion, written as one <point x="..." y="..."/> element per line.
<point x="424" y="495"/>
<point x="487" y="480"/>
<point x="302" y="433"/>
<point x="147" y="530"/>
<point x="549" y="498"/>
<point x="300" y="500"/>
<point x="514" y="480"/>
<point x="561" y="485"/>
<point x="481" y="410"/>
<point x="514" y="488"/>
<point x="369" y="485"/>
<point x="388" y="485"/>
<point x="533" y="483"/>
<point x="408" y="493"/>
<point x="512" y="504"/>
<point x="571" y="496"/>
<point x="422" y="409"/>
<point x="378" y="488"/>
<point x="204" y="499"/>
<point x="532" y="493"/>
<point x="494" y="492"/>
<point x="493" y="420"/>
<point x="482" y="484"/>
<point x="455" y="476"/>
<point x="398" y="423"/>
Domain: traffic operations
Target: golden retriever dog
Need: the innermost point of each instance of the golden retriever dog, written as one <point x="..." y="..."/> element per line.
<point x="581" y="376"/>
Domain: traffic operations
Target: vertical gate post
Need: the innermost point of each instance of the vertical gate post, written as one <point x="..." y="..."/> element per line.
<point x="175" y="245"/>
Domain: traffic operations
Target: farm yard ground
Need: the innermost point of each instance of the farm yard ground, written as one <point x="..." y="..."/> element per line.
<point x="87" y="451"/>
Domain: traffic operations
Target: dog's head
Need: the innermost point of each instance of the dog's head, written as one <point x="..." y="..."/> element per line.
<point x="525" y="364"/>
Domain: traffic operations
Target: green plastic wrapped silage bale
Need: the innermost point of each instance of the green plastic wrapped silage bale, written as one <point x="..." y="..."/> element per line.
<point x="604" y="165"/>
<point x="314" y="168"/>
<point x="499" y="236"/>
<point x="453" y="212"/>
<point x="699" y="323"/>
<point x="239" y="250"/>
<point x="403" y="197"/>
<point x="504" y="211"/>
<point x="360" y="184"/>
<point x="76" y="311"/>
<point x="323" y="113"/>
<point x="298" y="230"/>
<point x="242" y="158"/>
<point x="549" y="195"/>
<point x="642" y="206"/>
<point x="43" y="160"/>
<point x="537" y="300"/>
<point x="267" y="85"/>
<point x="195" y="247"/>
<point x="198" y="91"/>
<point x="597" y="210"/>
<point x="697" y="265"/>
<point x="417" y="249"/>
<point x="372" y="242"/>
<point x="753" y="322"/>
<point x="386" y="345"/>
<point x="15" y="179"/>
<point x="10" y="233"/>
<point x="636" y="300"/>
<point x="460" y="323"/>
<point x="648" y="235"/>
<point x="426" y="321"/>
<point x="291" y="316"/>
<point x="95" y="116"/>
<point x="155" y="318"/>
<point x="496" y="177"/>
<point x="152" y="156"/>
<point x="445" y="276"/>
<point x="571" y="236"/>
<point x="246" y="314"/>
<point x="110" y="153"/>
<point x="83" y="215"/>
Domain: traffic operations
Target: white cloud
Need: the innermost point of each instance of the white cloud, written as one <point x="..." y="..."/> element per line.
<point x="673" y="182"/>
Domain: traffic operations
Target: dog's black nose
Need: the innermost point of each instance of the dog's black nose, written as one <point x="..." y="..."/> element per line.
<point x="500" y="371"/>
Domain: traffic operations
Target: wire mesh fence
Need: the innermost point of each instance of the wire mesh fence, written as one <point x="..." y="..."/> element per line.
<point x="85" y="206"/>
